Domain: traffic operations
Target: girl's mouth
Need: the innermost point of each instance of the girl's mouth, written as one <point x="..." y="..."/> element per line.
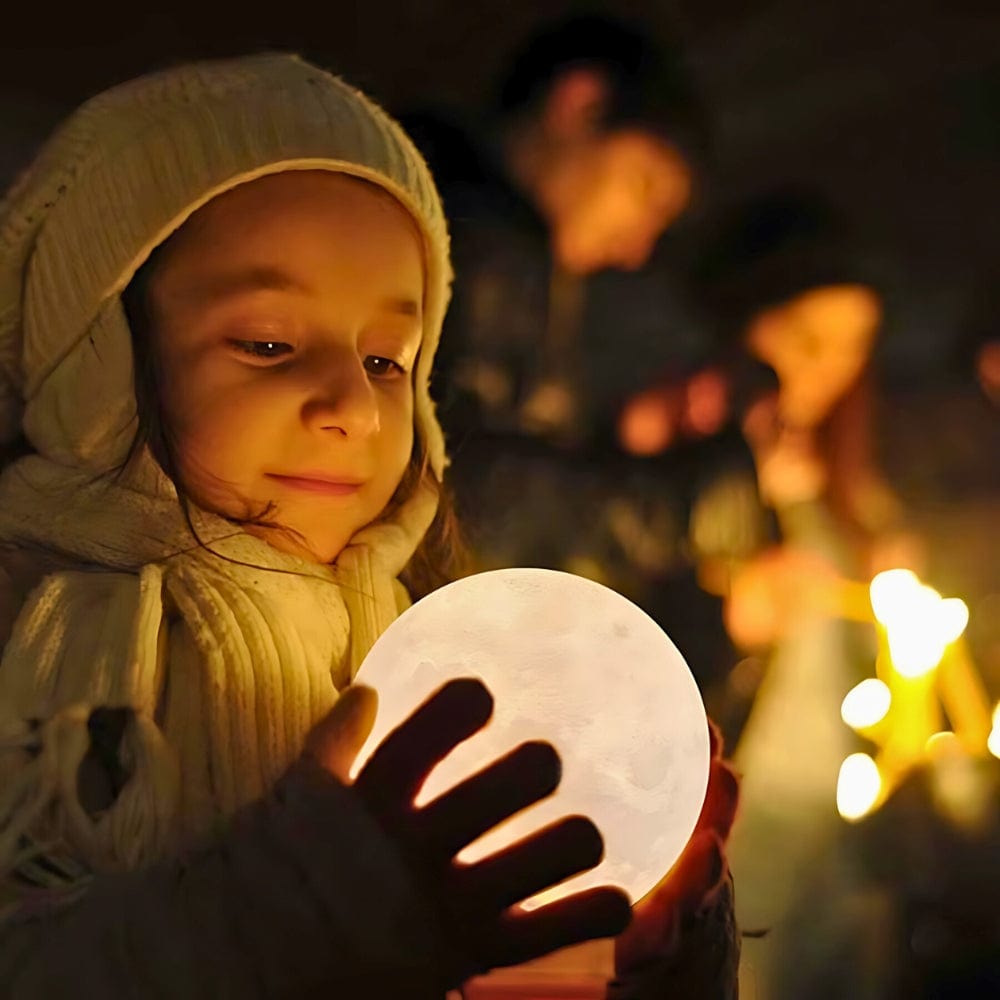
<point x="317" y="484"/>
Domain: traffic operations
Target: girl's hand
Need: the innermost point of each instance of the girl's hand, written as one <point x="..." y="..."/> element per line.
<point x="477" y="902"/>
<point x="683" y="940"/>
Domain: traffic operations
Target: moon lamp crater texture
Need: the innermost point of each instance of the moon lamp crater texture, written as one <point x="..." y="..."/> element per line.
<point x="572" y="662"/>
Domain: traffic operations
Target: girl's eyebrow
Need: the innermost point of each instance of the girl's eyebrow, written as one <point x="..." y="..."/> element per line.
<point x="402" y="306"/>
<point x="254" y="279"/>
<point x="272" y="279"/>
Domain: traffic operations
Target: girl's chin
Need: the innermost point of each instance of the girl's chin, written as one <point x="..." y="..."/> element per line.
<point x="294" y="543"/>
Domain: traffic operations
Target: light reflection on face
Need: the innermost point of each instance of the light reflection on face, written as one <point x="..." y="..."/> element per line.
<point x="620" y="192"/>
<point x="818" y="344"/>
<point x="287" y="320"/>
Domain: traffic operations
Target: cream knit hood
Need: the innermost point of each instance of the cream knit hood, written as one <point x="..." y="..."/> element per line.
<point x="224" y="663"/>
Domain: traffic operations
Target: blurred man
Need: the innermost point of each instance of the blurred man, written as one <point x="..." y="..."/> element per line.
<point x="594" y="134"/>
<point x="564" y="306"/>
<point x="587" y="158"/>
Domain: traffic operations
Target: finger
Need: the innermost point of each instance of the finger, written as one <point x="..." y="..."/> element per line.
<point x="721" y="801"/>
<point x="337" y="738"/>
<point x="544" y="859"/>
<point x="524" y="776"/>
<point x="397" y="769"/>
<point x="523" y="935"/>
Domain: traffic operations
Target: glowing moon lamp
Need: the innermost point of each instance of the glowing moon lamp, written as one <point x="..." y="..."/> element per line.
<point x="575" y="663"/>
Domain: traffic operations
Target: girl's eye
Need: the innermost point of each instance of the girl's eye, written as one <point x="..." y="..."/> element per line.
<point x="383" y="367"/>
<point x="265" y="350"/>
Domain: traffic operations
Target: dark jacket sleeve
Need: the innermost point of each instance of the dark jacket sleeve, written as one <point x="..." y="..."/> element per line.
<point x="302" y="895"/>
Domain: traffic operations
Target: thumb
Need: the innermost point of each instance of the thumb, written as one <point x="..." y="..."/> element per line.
<point x="337" y="738"/>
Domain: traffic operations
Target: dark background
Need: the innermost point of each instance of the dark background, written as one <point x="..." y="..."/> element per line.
<point x="891" y="107"/>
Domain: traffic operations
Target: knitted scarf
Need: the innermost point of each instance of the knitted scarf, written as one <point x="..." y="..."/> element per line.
<point x="225" y="655"/>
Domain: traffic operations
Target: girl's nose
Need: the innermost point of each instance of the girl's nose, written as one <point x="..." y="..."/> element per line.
<point x="343" y="399"/>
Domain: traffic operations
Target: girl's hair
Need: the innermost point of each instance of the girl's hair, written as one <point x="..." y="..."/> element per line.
<point x="441" y="556"/>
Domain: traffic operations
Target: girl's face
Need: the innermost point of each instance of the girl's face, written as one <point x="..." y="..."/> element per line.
<point x="287" y="320"/>
<point x="817" y="343"/>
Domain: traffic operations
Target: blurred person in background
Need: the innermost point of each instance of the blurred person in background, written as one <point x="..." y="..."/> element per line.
<point x="589" y="154"/>
<point x="941" y="440"/>
<point x="935" y="843"/>
<point x="565" y="204"/>
<point x="794" y="289"/>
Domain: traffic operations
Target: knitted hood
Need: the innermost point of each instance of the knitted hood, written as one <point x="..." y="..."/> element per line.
<point x="126" y="171"/>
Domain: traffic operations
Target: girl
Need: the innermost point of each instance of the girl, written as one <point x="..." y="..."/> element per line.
<point x="222" y="288"/>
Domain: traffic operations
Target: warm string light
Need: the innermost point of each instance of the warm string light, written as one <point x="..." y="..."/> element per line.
<point x="867" y="704"/>
<point x="923" y="670"/>
<point x="858" y="786"/>
<point x="919" y="623"/>
<point x="993" y="742"/>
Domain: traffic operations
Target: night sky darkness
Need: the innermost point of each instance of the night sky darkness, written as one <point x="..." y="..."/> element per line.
<point x="892" y="108"/>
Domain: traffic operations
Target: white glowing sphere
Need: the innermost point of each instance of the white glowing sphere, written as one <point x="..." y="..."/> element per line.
<point x="866" y="704"/>
<point x="569" y="661"/>
<point x="858" y="786"/>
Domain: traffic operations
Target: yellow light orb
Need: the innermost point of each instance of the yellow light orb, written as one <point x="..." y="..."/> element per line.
<point x="954" y="617"/>
<point x="919" y="623"/>
<point x="572" y="662"/>
<point x="993" y="742"/>
<point x="891" y="594"/>
<point x="858" y="786"/>
<point x="866" y="704"/>
<point x="915" y="652"/>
